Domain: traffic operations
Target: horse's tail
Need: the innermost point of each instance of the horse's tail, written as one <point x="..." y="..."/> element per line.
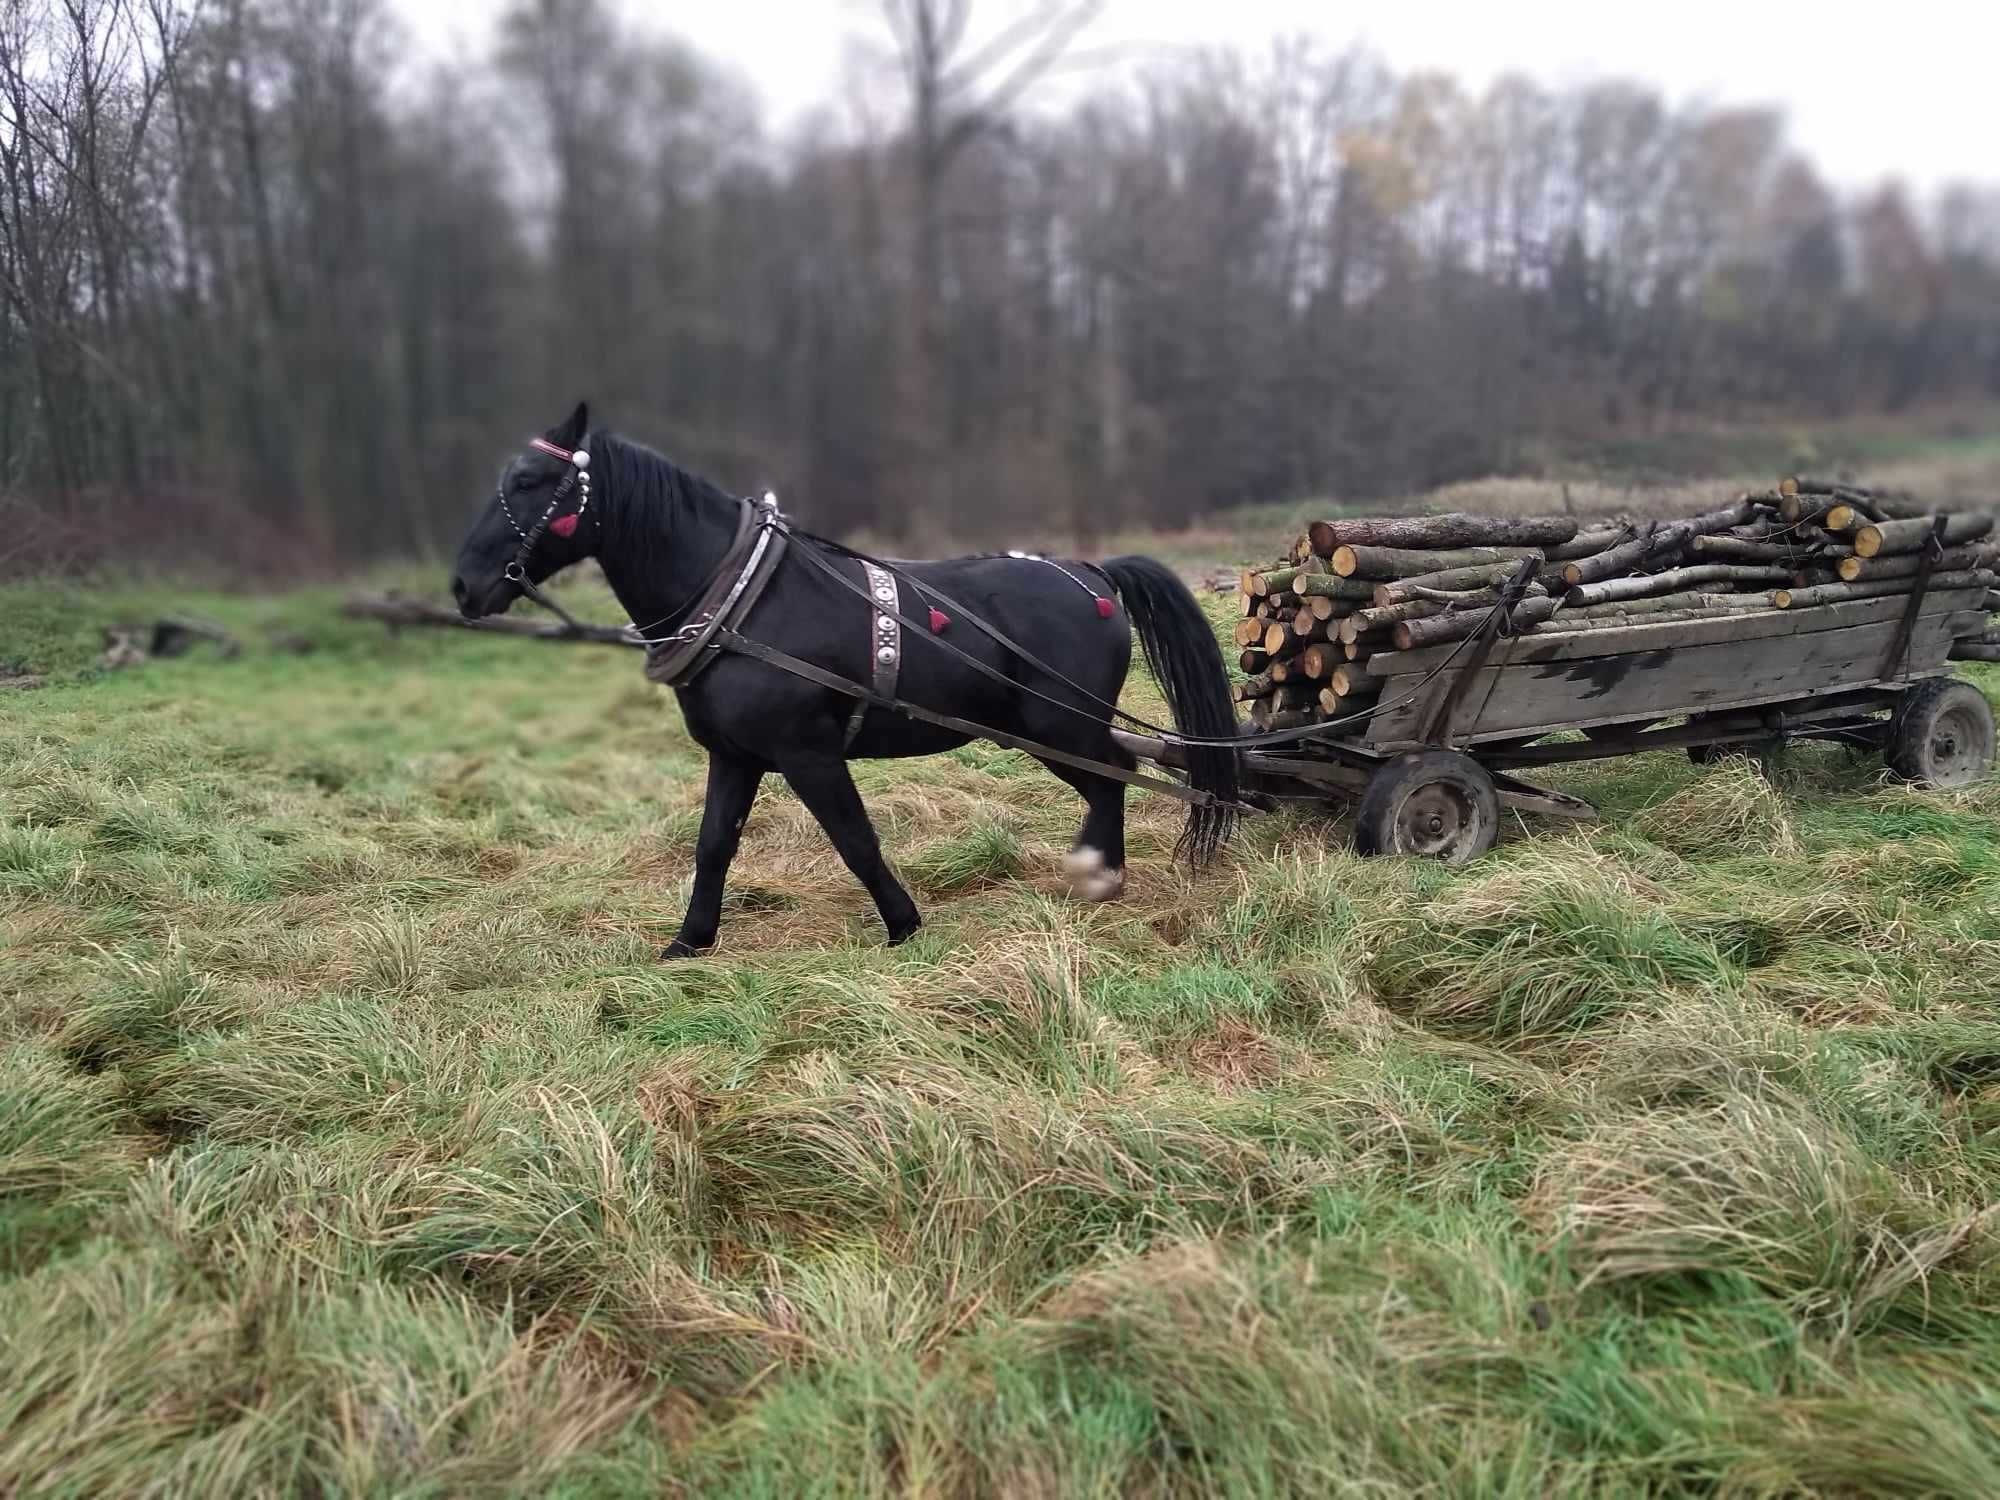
<point x="1180" y="648"/>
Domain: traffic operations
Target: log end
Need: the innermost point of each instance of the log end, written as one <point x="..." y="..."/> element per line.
<point x="1781" y="598"/>
<point x="1572" y="575"/>
<point x="1323" y="538"/>
<point x="1867" y="541"/>
<point x="1401" y="636"/>
<point x="1849" y="569"/>
<point x="1344" y="562"/>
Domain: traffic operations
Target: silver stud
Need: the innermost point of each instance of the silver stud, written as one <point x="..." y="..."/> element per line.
<point x="886" y="655"/>
<point x="887" y="624"/>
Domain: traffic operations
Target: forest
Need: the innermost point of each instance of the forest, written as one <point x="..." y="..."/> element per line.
<point x="280" y="292"/>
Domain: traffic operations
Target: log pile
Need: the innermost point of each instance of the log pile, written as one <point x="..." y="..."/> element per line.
<point x="1351" y="590"/>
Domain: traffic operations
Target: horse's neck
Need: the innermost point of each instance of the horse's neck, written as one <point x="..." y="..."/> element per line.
<point x="665" y="550"/>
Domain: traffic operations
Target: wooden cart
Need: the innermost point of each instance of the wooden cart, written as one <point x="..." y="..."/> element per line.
<point x="1434" y="762"/>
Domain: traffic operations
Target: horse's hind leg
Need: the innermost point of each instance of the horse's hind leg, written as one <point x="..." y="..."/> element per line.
<point x="1095" y="865"/>
<point x="828" y="791"/>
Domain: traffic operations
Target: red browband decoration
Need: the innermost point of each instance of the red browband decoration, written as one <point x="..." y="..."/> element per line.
<point x="543" y="445"/>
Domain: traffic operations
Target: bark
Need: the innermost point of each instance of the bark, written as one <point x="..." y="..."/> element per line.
<point x="1662" y="542"/>
<point x="1461" y="623"/>
<point x="1840" y="593"/>
<point x="1458" y="529"/>
<point x="1907" y="536"/>
<point x="1400" y="562"/>
<point x="1673" y="581"/>
<point x="1449" y="581"/>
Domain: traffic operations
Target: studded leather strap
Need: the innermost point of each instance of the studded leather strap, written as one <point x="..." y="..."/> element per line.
<point x="885" y="642"/>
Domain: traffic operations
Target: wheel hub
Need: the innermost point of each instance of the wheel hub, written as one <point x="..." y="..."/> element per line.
<point x="1433" y="820"/>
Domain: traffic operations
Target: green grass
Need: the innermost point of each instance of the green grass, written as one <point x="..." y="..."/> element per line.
<point x="352" y="1140"/>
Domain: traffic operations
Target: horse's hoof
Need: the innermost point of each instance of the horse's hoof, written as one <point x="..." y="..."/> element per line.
<point x="1088" y="877"/>
<point x="679" y="949"/>
<point x="901" y="935"/>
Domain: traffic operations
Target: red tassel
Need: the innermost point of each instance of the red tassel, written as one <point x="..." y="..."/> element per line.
<point x="1105" y="608"/>
<point x="563" y="525"/>
<point x="939" y="619"/>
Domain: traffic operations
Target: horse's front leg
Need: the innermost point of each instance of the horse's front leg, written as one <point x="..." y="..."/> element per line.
<point x="732" y="787"/>
<point x="824" y="785"/>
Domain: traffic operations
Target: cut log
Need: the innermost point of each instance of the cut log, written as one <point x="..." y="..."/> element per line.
<point x="1903" y="564"/>
<point x="1589" y="543"/>
<point x="1250" y="632"/>
<point x="1277" y="581"/>
<point x="1354" y="682"/>
<point x="1907" y="536"/>
<point x="1630" y="609"/>
<point x="1841" y="593"/>
<point x="1661" y="542"/>
<point x="1399" y="562"/>
<point x="1436" y="533"/>
<point x="1278" y="638"/>
<point x="1730" y="548"/>
<point x="1258" y="686"/>
<point x="1806" y="506"/>
<point x="1318" y="661"/>
<point x="1449" y="581"/>
<point x="1253" y="662"/>
<point x="1327" y="586"/>
<point x="1974" y="651"/>
<point x="1375" y="618"/>
<point x="1461" y="623"/>
<point x="1673" y="581"/>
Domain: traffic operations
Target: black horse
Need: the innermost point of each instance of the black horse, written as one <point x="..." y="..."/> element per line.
<point x="662" y="537"/>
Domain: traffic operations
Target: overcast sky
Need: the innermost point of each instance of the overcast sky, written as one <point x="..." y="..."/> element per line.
<point x="1870" y="91"/>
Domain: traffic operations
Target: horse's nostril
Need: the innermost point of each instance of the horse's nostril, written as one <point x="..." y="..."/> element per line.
<point x="458" y="588"/>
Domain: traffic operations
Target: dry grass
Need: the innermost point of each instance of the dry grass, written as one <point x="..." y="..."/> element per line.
<point x="351" y="1140"/>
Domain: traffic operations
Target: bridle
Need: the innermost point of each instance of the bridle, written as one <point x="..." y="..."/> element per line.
<point x="578" y="477"/>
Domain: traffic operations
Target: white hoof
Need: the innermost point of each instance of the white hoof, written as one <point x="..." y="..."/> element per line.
<point x="1088" y="877"/>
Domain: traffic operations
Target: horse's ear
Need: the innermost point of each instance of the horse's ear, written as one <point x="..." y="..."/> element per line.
<point x="573" y="429"/>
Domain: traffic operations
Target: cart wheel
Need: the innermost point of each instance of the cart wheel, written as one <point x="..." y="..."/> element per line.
<point x="1434" y="803"/>
<point x="1942" y="734"/>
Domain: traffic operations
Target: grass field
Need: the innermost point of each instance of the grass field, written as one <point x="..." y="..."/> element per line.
<point x="353" y="1143"/>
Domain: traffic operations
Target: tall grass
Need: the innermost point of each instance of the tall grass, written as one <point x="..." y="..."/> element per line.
<point x="351" y="1140"/>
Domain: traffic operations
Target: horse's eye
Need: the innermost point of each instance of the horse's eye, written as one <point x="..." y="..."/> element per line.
<point x="523" y="482"/>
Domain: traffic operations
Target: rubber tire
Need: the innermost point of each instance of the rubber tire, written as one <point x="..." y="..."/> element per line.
<point x="1937" y="713"/>
<point x="1464" y="808"/>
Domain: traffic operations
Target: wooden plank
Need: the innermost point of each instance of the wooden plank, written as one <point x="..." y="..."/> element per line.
<point x="1667" y="681"/>
<point x="1552" y="645"/>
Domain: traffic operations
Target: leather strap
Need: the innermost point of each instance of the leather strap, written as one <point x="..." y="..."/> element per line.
<point x="729" y="640"/>
<point x="746" y="568"/>
<point x="885" y="643"/>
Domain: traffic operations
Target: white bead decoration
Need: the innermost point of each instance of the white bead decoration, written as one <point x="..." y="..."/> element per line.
<point x="580" y="458"/>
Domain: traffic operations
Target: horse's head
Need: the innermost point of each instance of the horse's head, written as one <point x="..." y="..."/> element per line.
<point x="535" y="524"/>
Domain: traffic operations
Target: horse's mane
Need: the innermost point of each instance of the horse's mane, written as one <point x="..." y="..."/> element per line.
<point x="648" y="500"/>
